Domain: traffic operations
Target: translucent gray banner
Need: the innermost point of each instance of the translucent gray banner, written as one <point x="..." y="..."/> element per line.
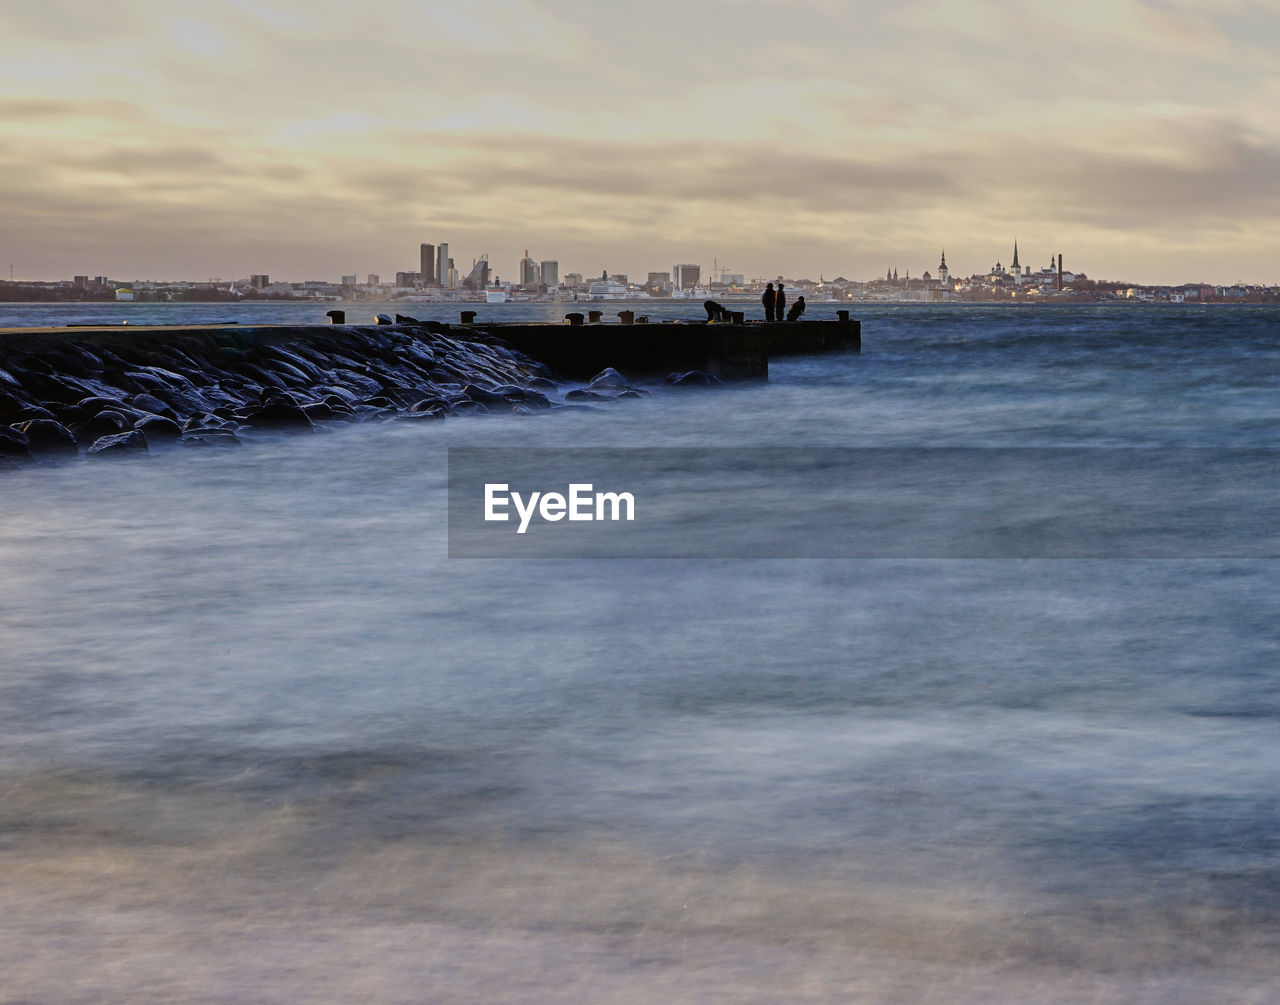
<point x="864" y="503"/>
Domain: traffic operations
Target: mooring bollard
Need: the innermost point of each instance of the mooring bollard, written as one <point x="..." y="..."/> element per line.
<point x="594" y="316"/>
<point x="468" y="317"/>
<point x="627" y="317"/>
<point x="574" y="319"/>
<point x="737" y="317"/>
<point x="336" y="317"/>
<point x="843" y="315"/>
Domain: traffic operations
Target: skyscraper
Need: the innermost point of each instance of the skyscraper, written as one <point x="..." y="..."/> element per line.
<point x="685" y="277"/>
<point x="443" y="265"/>
<point x="550" y="273"/>
<point x="529" y="275"/>
<point x="427" y="268"/>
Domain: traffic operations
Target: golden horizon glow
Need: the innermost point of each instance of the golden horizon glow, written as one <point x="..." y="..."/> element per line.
<point x="1140" y="138"/>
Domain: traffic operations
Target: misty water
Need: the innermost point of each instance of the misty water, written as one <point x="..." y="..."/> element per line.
<point x="263" y="740"/>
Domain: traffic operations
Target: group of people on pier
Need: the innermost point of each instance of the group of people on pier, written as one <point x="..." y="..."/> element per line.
<point x="775" y="306"/>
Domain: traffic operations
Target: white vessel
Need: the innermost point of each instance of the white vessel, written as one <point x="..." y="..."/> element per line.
<point x="495" y="296"/>
<point x="608" y="289"/>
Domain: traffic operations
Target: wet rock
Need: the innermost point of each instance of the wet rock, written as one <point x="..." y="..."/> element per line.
<point x="524" y="395"/>
<point x="485" y="396"/>
<point x="321" y="411"/>
<point x="34" y="412"/>
<point x="105" y="423"/>
<point x="158" y="429"/>
<point x="150" y="403"/>
<point x="582" y="394"/>
<point x="211" y="437"/>
<point x="46" y="436"/>
<point x="608" y="379"/>
<point x="542" y="384"/>
<point x="11" y="407"/>
<point x="14" y="444"/>
<point x="118" y="443"/>
<point x="202" y="419"/>
<point x="429" y="408"/>
<point x="280" y="413"/>
<point x="95" y="404"/>
<point x="692" y="378"/>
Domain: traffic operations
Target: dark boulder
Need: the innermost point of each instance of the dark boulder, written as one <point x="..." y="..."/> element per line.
<point x="35" y="412"/>
<point x="485" y="396"/>
<point x="45" y="436"/>
<point x="150" y="403"/>
<point x="322" y="411"/>
<point x="582" y="394"/>
<point x="14" y="443"/>
<point x="692" y="378"/>
<point x="429" y="408"/>
<point x="523" y="395"/>
<point x="105" y="423"/>
<point x="11" y="407"/>
<point x="542" y="384"/>
<point x="280" y="414"/>
<point x="118" y="443"/>
<point x="158" y="429"/>
<point x="608" y="379"/>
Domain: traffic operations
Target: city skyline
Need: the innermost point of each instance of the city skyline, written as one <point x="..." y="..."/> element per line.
<point x="802" y="138"/>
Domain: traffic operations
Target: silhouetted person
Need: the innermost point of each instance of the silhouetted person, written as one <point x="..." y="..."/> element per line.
<point x="715" y="312"/>
<point x="796" y="310"/>
<point x="767" y="300"/>
<point x="779" y="304"/>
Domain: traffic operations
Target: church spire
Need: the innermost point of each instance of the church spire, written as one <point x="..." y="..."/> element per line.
<point x="943" y="264"/>
<point x="1015" y="254"/>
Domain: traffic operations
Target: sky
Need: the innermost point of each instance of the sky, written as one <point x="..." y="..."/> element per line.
<point x="165" y="139"/>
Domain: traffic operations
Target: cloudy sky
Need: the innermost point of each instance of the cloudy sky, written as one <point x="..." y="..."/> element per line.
<point x="174" y="139"/>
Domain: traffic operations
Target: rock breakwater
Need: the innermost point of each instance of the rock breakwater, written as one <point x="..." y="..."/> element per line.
<point x="110" y="391"/>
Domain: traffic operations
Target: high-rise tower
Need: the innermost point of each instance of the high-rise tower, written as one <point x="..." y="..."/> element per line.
<point x="442" y="265"/>
<point x="427" y="264"/>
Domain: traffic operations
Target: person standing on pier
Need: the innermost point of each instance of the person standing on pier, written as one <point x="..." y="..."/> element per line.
<point x="767" y="300"/>
<point x="779" y="304"/>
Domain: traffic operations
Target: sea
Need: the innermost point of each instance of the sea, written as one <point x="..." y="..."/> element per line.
<point x="262" y="739"/>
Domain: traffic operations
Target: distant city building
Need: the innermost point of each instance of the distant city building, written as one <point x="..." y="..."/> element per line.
<point x="530" y="275"/>
<point x="685" y="277"/>
<point x="427" y="263"/>
<point x="259" y="280"/>
<point x="373" y="279"/>
<point x="550" y="270"/>
<point x="658" y="283"/>
<point x="443" y="265"/>
<point x="80" y="282"/>
<point x="349" y="280"/>
<point x="408" y="279"/>
<point x="478" y="278"/>
<point x="574" y="280"/>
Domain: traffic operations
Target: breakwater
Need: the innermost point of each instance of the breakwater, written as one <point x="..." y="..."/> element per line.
<point x="120" y="389"/>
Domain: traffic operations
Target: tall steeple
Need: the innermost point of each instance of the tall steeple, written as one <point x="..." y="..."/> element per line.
<point x="943" y="264"/>
<point x="1015" y="254"/>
